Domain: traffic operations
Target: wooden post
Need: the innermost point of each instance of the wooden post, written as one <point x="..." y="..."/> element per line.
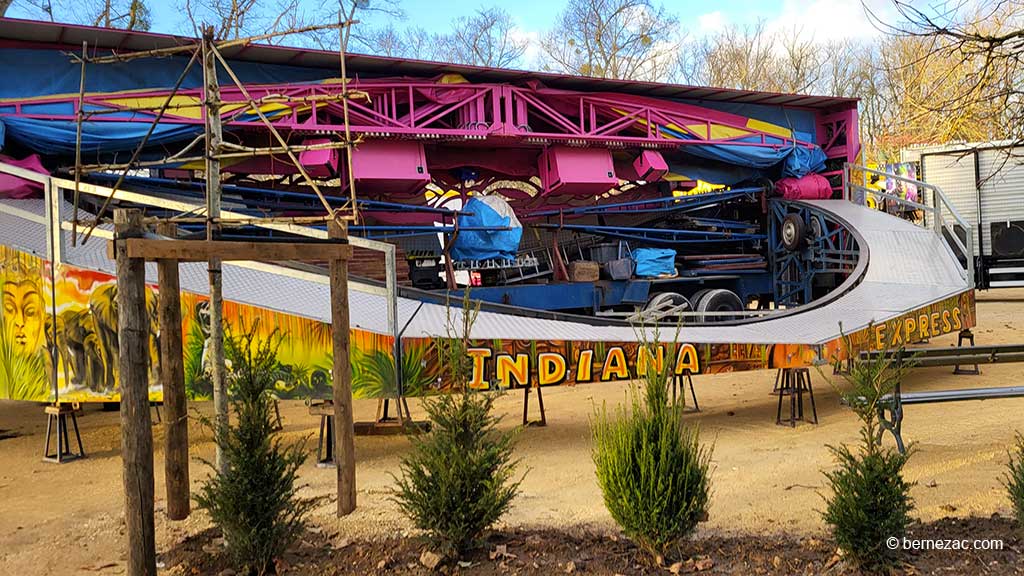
<point x="136" y="435"/>
<point x="214" y="137"/>
<point x="172" y="376"/>
<point x="344" y="434"/>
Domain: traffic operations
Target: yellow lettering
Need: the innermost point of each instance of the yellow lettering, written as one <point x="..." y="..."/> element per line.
<point x="615" y="365"/>
<point x="897" y="335"/>
<point x="945" y="321"/>
<point x="643" y="354"/>
<point x="585" y="367"/>
<point x="479" y="355"/>
<point x="687" y="360"/>
<point x="922" y="326"/>
<point x="935" y="323"/>
<point x="506" y="368"/>
<point x="551" y="368"/>
<point x="879" y="336"/>
<point x="909" y="327"/>
<point x="957" y="323"/>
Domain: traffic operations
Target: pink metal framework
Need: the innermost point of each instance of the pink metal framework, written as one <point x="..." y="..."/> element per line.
<point x="429" y="110"/>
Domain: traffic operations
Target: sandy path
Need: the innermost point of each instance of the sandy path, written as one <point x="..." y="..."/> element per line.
<point x="66" y="519"/>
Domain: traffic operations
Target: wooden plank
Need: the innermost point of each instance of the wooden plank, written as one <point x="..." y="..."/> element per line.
<point x="204" y="250"/>
<point x="136" y="432"/>
<point x="344" y="433"/>
<point x="172" y="377"/>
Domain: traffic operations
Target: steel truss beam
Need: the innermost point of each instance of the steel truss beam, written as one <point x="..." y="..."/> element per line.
<point x="431" y="111"/>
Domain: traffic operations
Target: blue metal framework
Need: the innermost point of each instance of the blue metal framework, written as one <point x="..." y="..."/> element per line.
<point x="828" y="248"/>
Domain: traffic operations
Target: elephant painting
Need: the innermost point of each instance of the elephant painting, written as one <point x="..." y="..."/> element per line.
<point x="103" y="309"/>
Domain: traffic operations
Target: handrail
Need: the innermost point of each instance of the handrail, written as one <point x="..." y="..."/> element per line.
<point x="940" y="202"/>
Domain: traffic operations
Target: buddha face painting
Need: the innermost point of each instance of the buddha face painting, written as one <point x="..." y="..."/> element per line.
<point x="24" y="315"/>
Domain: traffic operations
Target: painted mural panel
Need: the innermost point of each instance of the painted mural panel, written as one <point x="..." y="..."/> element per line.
<point x="24" y="361"/>
<point x="518" y="363"/>
<point x="84" y="327"/>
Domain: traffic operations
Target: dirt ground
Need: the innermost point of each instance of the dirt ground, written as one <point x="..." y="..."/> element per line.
<point x="67" y="519"/>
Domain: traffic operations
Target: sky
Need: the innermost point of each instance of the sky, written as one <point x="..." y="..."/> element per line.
<point x="822" y="19"/>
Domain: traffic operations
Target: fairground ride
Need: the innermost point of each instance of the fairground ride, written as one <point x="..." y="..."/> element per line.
<point x="576" y="208"/>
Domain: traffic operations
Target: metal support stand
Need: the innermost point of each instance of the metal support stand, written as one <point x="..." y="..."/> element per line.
<point x="325" y="441"/>
<point x="966" y="335"/>
<point x="793" y="383"/>
<point x="278" y="424"/>
<point x="526" y="408"/>
<point x="59" y="413"/>
<point x="680" y="381"/>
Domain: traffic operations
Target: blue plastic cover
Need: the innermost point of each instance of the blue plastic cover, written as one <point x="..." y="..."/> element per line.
<point x="652" y="262"/>
<point x="42" y="72"/>
<point x="502" y="243"/>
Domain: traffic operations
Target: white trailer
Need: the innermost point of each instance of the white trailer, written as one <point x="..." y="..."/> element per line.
<point x="985" y="183"/>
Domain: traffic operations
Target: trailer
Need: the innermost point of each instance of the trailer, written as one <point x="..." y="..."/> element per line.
<point x="985" y="183"/>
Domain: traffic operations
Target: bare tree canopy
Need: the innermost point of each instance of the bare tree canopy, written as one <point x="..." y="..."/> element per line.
<point x="627" y="39"/>
<point x="957" y="69"/>
<point x="239" y="18"/>
<point x="487" y="38"/>
<point x="126" y="14"/>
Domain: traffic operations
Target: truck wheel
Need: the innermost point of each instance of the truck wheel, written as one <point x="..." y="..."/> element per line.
<point x="718" y="300"/>
<point x="668" y="300"/>
<point x="792" y="232"/>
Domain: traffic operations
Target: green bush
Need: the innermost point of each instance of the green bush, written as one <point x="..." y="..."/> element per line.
<point x="255" y="502"/>
<point x="870" y="500"/>
<point x="651" y="466"/>
<point x="458" y="479"/>
<point x="870" y="503"/>
<point x="1014" y="479"/>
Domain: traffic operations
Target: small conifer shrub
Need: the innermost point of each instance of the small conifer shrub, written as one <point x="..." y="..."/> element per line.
<point x="255" y="502"/>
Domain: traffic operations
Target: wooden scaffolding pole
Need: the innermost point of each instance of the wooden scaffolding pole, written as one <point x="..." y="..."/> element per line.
<point x="344" y="433"/>
<point x="214" y="137"/>
<point x="172" y="377"/>
<point x="136" y="433"/>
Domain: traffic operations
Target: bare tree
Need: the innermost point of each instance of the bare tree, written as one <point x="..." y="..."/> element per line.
<point x="126" y="14"/>
<point x="131" y="15"/>
<point x="798" y="67"/>
<point x="738" y="57"/>
<point x="487" y="38"/>
<point x="413" y="42"/>
<point x="751" y="58"/>
<point x="628" y="39"/>
<point x="239" y="18"/>
<point x="960" y="72"/>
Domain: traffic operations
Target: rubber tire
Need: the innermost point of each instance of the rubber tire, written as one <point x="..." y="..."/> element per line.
<point x="695" y="298"/>
<point x="676" y="299"/>
<point x="814" y="229"/>
<point x="796" y="240"/>
<point x="718" y="300"/>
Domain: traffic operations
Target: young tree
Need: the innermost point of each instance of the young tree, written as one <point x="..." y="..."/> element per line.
<point x="624" y="39"/>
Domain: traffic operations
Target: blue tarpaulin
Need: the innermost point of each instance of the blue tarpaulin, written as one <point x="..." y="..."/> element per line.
<point x="653" y="262"/>
<point x="42" y="72"/>
<point x="501" y="243"/>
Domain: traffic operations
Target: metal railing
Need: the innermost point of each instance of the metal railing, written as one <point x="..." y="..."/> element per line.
<point x="936" y="207"/>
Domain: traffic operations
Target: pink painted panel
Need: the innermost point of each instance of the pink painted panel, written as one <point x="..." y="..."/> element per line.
<point x="576" y="171"/>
